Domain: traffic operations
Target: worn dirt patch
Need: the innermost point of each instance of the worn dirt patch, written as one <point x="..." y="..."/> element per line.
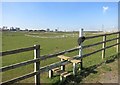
<point x="110" y="76"/>
<point x="107" y="73"/>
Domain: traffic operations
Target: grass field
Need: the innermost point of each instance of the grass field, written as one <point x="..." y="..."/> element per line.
<point x="50" y="43"/>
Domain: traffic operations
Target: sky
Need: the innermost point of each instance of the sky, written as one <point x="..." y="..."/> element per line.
<point x="61" y="15"/>
<point x="60" y="0"/>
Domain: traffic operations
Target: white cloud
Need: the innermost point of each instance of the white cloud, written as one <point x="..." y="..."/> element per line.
<point x="105" y="8"/>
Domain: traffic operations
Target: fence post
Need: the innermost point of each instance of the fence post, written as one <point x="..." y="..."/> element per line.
<point x="118" y="41"/>
<point x="80" y="50"/>
<point x="118" y="46"/>
<point x="103" y="46"/>
<point x="63" y="66"/>
<point x="50" y="75"/>
<point x="119" y="56"/>
<point x="37" y="64"/>
<point x="74" y="69"/>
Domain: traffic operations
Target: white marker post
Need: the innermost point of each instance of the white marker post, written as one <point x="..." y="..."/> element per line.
<point x="80" y="50"/>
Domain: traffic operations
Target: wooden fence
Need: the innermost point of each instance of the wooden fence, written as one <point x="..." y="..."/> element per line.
<point x="37" y="58"/>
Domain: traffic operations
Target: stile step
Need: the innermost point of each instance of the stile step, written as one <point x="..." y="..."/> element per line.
<point x="65" y="74"/>
<point x="63" y="57"/>
<point x="75" y="61"/>
<point x="55" y="69"/>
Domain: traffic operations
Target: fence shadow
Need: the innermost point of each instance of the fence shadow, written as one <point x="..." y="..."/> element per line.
<point x="75" y="80"/>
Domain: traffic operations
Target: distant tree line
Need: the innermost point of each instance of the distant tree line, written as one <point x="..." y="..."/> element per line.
<point x="14" y="29"/>
<point x="5" y="28"/>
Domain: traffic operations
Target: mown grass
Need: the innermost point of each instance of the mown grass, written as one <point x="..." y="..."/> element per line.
<point x="15" y="40"/>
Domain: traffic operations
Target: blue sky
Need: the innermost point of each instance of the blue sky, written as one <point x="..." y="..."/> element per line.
<point x="61" y="15"/>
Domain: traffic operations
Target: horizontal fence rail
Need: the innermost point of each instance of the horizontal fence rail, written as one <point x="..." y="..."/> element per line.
<point x="99" y="50"/>
<point x="86" y="46"/>
<point x="13" y="66"/>
<point x="91" y="37"/>
<point x="18" y="51"/>
<point x="54" y="65"/>
<point x="19" y="78"/>
<point x="59" y="53"/>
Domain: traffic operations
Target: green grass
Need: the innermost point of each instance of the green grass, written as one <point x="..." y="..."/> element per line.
<point x="15" y="40"/>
